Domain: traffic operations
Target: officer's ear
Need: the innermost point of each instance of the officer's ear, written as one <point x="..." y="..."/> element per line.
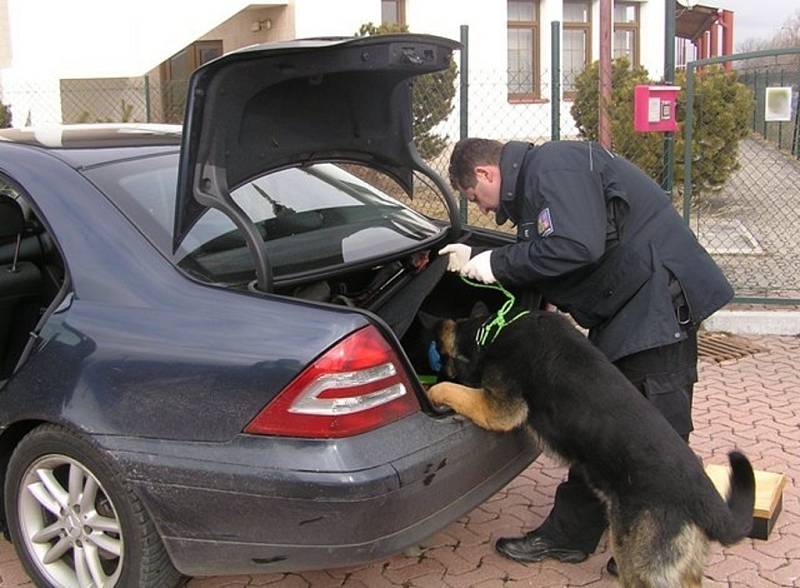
<point x="484" y="172"/>
<point x="490" y="174"/>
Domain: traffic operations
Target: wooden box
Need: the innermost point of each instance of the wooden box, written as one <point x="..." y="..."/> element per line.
<point x="769" y="497"/>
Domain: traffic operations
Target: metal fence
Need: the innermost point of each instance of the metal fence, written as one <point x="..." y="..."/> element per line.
<point x="760" y="73"/>
<point x="740" y="195"/>
<point x="750" y="222"/>
<point x="69" y="101"/>
<point x="498" y="104"/>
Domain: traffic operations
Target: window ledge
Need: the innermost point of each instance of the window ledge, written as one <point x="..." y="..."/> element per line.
<point x="528" y="101"/>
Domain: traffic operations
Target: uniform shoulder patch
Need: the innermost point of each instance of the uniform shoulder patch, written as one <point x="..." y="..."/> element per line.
<point x="544" y="223"/>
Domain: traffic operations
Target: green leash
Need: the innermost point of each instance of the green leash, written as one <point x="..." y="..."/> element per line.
<point x="498" y="321"/>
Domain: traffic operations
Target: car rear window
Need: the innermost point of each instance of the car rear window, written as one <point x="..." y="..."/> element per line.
<point x="312" y="218"/>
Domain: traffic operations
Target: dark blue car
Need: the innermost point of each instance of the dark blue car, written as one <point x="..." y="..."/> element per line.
<point x="211" y="343"/>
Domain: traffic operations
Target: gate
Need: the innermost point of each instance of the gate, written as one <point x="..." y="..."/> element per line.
<point x="750" y="222"/>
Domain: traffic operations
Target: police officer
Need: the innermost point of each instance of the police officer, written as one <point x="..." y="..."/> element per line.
<point x="600" y="240"/>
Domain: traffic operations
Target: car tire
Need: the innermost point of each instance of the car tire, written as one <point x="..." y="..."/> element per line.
<point x="74" y="520"/>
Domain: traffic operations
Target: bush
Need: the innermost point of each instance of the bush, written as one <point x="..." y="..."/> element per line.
<point x="722" y="110"/>
<point x="432" y="98"/>
<point x="5" y="116"/>
<point x="125" y="115"/>
<point x="643" y="149"/>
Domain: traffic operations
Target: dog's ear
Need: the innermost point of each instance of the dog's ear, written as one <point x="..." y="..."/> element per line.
<point x="428" y="321"/>
<point x="480" y="310"/>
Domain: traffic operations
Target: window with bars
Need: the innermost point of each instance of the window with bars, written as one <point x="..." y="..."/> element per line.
<point x="577" y="42"/>
<point x="523" y="50"/>
<point x="626" y="31"/>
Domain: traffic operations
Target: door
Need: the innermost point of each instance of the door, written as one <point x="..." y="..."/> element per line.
<point x="175" y="73"/>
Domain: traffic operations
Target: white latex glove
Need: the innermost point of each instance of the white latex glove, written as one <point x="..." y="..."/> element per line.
<point x="480" y="268"/>
<point x="459" y="255"/>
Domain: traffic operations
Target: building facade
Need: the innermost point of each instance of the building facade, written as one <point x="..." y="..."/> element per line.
<point x="104" y="60"/>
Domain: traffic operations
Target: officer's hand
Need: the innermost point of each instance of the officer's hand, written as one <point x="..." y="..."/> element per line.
<point x="480" y="268"/>
<point x="459" y="256"/>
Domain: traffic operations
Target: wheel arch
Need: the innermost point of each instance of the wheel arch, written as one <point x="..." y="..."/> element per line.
<point x="9" y="439"/>
<point x="155" y="567"/>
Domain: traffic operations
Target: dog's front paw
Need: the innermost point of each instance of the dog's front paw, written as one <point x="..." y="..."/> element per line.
<point x="436" y="394"/>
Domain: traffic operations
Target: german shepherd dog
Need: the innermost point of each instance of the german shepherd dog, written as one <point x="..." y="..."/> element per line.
<point x="540" y="371"/>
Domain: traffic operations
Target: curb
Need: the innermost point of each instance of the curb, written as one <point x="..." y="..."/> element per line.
<point x="754" y="322"/>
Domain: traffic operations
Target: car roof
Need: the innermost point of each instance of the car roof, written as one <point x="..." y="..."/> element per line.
<point x="82" y="145"/>
<point x="93" y="136"/>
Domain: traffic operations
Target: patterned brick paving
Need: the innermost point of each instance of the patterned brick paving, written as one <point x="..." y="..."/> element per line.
<point x="751" y="403"/>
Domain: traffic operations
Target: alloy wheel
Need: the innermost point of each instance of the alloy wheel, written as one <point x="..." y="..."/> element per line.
<point x="69" y="524"/>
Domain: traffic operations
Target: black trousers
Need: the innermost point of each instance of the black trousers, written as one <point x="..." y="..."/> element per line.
<point x="666" y="376"/>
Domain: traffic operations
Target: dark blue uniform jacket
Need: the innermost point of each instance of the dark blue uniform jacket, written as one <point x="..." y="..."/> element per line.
<point x="601" y="241"/>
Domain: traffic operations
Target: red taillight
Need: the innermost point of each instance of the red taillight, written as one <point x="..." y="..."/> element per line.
<point x="356" y="386"/>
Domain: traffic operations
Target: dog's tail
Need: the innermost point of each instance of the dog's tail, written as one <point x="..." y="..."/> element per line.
<point x="734" y="523"/>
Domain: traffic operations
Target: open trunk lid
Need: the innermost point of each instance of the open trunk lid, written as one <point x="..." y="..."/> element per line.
<point x="278" y="105"/>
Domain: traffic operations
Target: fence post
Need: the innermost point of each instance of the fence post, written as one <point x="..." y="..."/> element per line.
<point x="464" y="105"/>
<point x="669" y="78"/>
<point x="755" y="98"/>
<point x="764" y="102"/>
<point x="796" y="145"/>
<point x="780" y="124"/>
<point x="555" y="81"/>
<point x="604" y="81"/>
<point x="146" y="98"/>
<point x="687" y="142"/>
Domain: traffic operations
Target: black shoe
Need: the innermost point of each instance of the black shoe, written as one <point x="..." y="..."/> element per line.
<point x="611" y="567"/>
<point x="532" y="547"/>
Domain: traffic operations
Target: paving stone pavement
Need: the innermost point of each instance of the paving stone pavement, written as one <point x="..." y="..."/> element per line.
<point x="751" y="403"/>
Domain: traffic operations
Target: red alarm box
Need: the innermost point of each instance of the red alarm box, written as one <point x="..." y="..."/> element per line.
<point x="654" y="108"/>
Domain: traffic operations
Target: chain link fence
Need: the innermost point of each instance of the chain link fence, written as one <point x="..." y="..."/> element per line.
<point x="760" y="73"/>
<point x="495" y="113"/>
<point x="98" y="100"/>
<point x="750" y="222"/>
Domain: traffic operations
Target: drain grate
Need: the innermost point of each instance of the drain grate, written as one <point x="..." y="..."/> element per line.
<point x="723" y="346"/>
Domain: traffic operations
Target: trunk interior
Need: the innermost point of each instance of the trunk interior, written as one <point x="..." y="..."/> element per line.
<point x="399" y="290"/>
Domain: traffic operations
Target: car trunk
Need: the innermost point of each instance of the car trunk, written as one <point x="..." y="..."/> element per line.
<point x="266" y="108"/>
<point x="400" y="289"/>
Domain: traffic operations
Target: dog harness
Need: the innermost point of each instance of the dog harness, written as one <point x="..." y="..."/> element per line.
<point x="492" y="326"/>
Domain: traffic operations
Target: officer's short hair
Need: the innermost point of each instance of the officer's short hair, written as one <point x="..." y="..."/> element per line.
<point x="467" y="155"/>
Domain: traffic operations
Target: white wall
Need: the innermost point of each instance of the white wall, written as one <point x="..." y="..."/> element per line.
<point x="51" y="40"/>
<point x="106" y="38"/>
<point x="490" y="114"/>
<point x="325" y="18"/>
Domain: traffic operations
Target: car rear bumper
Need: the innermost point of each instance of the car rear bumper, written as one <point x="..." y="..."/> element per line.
<point x="262" y="505"/>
